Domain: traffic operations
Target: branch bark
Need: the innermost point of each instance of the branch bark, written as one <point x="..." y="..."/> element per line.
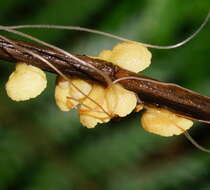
<point x="169" y="96"/>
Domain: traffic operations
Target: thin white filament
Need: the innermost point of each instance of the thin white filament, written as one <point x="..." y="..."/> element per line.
<point x="34" y="54"/>
<point x="108" y="80"/>
<point x="10" y="29"/>
<point x="106" y="77"/>
<point x="85" y="105"/>
<point x="148" y="80"/>
<point x="78" y="28"/>
<point x="157" y="82"/>
<point x="188" y="136"/>
<point x="53" y="67"/>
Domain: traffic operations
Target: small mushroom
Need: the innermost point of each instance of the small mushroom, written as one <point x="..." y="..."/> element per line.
<point x="132" y="56"/>
<point x="25" y="82"/>
<point x="67" y="95"/>
<point x="164" y="123"/>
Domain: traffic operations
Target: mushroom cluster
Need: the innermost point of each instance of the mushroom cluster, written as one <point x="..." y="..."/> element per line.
<point x="95" y="103"/>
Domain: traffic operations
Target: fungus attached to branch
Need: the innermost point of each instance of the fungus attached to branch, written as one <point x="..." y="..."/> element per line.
<point x="116" y="100"/>
<point x="25" y="82"/>
<point x="132" y="56"/>
<point x="93" y="99"/>
<point x="84" y="88"/>
<point x="164" y="123"/>
<point x="106" y="86"/>
<point x="66" y="94"/>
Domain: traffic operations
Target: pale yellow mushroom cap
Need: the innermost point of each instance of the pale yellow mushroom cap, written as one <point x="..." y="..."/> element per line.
<point x="66" y="95"/>
<point x="90" y="112"/>
<point x="132" y="56"/>
<point x="115" y="100"/>
<point x="91" y="118"/>
<point x="105" y="55"/>
<point x="61" y="94"/>
<point x="83" y="86"/>
<point x="89" y="121"/>
<point x="164" y="123"/>
<point x="120" y="101"/>
<point x="25" y="82"/>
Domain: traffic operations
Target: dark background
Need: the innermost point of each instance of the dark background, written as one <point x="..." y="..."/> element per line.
<point x="43" y="148"/>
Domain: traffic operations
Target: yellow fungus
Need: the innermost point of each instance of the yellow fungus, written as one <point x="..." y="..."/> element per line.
<point x="105" y="55"/>
<point x="67" y="96"/>
<point x="132" y="56"/>
<point x="120" y="101"/>
<point x="25" y="82"/>
<point x="164" y="123"/>
<point x="90" y="112"/>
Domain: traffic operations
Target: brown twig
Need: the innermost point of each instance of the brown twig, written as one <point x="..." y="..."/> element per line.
<point x="151" y="92"/>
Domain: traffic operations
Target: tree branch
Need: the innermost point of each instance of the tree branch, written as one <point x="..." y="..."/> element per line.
<point x="151" y="92"/>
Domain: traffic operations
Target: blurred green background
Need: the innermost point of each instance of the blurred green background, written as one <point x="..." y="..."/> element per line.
<point x="43" y="148"/>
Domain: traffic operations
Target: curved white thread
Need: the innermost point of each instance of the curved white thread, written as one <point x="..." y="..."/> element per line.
<point x="108" y="80"/>
<point x="53" y="67"/>
<point x="78" y="28"/>
<point x="188" y="136"/>
<point x="161" y="83"/>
